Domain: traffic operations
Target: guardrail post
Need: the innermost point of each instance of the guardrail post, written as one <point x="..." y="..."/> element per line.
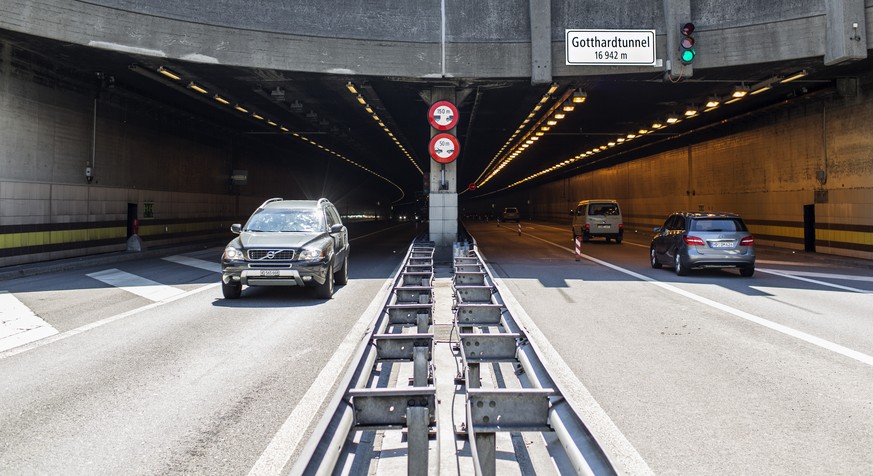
<point x="417" y="419"/>
<point x="419" y="370"/>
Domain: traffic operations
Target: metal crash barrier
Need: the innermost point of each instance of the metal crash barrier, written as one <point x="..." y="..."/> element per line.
<point x="386" y="418"/>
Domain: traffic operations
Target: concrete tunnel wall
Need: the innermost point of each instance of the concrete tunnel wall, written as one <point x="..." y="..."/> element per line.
<point x="182" y="174"/>
<point x="818" y="154"/>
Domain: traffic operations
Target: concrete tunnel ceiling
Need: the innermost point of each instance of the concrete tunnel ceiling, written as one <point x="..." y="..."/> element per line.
<point x="321" y="108"/>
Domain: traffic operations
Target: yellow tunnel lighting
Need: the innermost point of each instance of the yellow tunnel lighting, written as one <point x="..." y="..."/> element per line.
<point x="796" y="75"/>
<point x="568" y="106"/>
<point x="221" y="99"/>
<point x="740" y="91"/>
<point x="351" y="87"/>
<point x="198" y="88"/>
<point x="672" y="119"/>
<point x="553" y="88"/>
<point x="712" y="102"/>
<point x="166" y="72"/>
<point x="552" y="122"/>
<point x="361" y="100"/>
<point x="257" y="116"/>
<point x="559" y="115"/>
<point x="579" y="97"/>
<point x="241" y="109"/>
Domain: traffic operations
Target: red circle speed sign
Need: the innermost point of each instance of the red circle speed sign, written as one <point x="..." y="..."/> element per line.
<point x="444" y="148"/>
<point x="443" y="115"/>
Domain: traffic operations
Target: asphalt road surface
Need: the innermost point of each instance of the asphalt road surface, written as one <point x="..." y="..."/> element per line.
<point x="140" y="367"/>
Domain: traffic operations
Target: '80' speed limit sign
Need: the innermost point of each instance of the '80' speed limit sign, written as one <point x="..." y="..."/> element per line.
<point x="444" y="148"/>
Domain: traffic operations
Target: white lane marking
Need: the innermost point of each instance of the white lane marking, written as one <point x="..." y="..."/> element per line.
<point x="138" y="285"/>
<point x="811" y="339"/>
<point x="102" y="322"/>
<point x="195" y="263"/>
<point x="798" y="275"/>
<point x="19" y="325"/>
<point x="284" y="443"/>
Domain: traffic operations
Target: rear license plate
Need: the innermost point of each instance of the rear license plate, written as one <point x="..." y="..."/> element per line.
<point x="269" y="272"/>
<point x="721" y="244"/>
<point x="603" y="225"/>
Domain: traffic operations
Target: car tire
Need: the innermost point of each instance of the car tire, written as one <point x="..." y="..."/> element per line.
<point x="653" y="260"/>
<point x="231" y="291"/>
<point x="747" y="271"/>
<point x="679" y="266"/>
<point x="342" y="276"/>
<point x="325" y="291"/>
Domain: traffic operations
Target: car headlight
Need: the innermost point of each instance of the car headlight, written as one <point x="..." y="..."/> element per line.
<point x="309" y="254"/>
<point x="233" y="253"/>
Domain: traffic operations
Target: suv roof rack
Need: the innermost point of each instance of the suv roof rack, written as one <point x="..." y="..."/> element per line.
<point x="274" y="199"/>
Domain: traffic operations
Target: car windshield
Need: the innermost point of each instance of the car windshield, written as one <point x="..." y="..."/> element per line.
<point x="603" y="209"/>
<point x="285" y="221"/>
<point x="717" y="224"/>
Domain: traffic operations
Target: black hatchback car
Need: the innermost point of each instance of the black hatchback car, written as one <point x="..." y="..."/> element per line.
<point x="689" y="240"/>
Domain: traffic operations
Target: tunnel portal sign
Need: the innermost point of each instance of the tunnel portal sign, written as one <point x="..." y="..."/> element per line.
<point x="443" y="115"/>
<point x="444" y="148"/>
<point x="611" y="47"/>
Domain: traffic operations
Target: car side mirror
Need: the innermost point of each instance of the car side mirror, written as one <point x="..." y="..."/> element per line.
<point x="236" y="228"/>
<point x="336" y="228"/>
<point x="657" y="229"/>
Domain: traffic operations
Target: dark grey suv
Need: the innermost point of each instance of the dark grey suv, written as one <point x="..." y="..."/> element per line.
<point x="288" y="243"/>
<point x="690" y="240"/>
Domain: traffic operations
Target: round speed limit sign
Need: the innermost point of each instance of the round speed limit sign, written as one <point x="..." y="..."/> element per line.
<point x="444" y="148"/>
<point x="443" y="115"/>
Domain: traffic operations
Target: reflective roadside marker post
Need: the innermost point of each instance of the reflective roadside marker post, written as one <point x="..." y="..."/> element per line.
<point x="578" y="248"/>
<point x="519" y="228"/>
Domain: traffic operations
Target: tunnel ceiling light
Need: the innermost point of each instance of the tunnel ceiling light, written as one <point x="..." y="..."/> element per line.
<point x="170" y="74"/>
<point x="672" y="119"/>
<point x="241" y="109"/>
<point x="568" y="106"/>
<point x="221" y="99"/>
<point x="740" y="91"/>
<point x="257" y="116"/>
<point x="361" y="100"/>
<point x="559" y="115"/>
<point x="796" y="75"/>
<point x="690" y="111"/>
<point x="712" y="102"/>
<point x="552" y="122"/>
<point x="351" y="87"/>
<point x="579" y="97"/>
<point x="197" y="87"/>
<point x="657" y="125"/>
<point x="552" y="88"/>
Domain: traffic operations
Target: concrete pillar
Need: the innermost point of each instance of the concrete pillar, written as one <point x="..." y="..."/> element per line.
<point x="443" y="190"/>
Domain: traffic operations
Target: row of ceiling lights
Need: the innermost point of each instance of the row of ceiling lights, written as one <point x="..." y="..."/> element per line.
<point x="363" y="102"/>
<point x="737" y="94"/>
<point x="245" y="110"/>
<point x="558" y="111"/>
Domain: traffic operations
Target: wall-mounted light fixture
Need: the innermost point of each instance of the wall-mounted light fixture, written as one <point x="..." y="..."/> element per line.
<point x="197" y="87"/>
<point x="579" y="97"/>
<point x="170" y="74"/>
<point x="740" y="91"/>
<point x="794" y="76"/>
<point x="713" y="102"/>
<point x="690" y="111"/>
<point x="221" y="99"/>
<point x="351" y="87"/>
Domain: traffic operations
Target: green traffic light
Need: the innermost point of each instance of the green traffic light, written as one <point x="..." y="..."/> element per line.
<point x="688" y="56"/>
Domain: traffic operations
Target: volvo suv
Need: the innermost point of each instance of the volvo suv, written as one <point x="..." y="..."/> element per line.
<point x="288" y="243"/>
<point x="689" y="240"/>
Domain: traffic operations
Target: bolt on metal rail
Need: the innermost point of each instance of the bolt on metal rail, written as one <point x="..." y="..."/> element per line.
<point x="388" y="411"/>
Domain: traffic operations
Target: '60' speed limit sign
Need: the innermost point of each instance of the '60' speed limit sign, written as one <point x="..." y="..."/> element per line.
<point x="444" y="148"/>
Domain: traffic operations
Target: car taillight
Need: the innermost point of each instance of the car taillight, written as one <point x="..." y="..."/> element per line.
<point x="621" y="226"/>
<point x="747" y="241"/>
<point x="693" y="240"/>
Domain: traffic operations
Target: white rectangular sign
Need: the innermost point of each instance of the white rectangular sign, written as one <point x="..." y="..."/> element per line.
<point x="611" y="47"/>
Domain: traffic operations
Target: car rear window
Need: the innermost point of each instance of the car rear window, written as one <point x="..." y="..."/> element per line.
<point x="718" y="224"/>
<point x="603" y="209"/>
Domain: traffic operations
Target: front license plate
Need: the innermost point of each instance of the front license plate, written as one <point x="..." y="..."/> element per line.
<point x="721" y="244"/>
<point x="269" y="272"/>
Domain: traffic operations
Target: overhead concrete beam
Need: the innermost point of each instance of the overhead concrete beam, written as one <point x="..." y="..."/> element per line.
<point x="540" y="41"/>
<point x="846" y="33"/>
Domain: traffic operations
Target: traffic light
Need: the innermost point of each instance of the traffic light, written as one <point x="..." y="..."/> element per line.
<point x="686" y="44"/>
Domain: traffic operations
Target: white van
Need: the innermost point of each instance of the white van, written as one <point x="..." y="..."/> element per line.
<point x="598" y="218"/>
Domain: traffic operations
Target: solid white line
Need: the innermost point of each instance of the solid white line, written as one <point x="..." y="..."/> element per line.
<point x="18" y="323"/>
<point x="195" y="263"/>
<point x="102" y="322"/>
<point x="284" y="443"/>
<point x="138" y="285"/>
<point x="797" y="275"/>
<point x="817" y="341"/>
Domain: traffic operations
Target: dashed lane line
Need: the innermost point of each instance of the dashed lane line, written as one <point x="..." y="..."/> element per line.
<point x="151" y="290"/>
<point x="194" y="263"/>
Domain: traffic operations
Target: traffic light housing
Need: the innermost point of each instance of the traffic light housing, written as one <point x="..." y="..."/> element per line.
<point x="686" y="44"/>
